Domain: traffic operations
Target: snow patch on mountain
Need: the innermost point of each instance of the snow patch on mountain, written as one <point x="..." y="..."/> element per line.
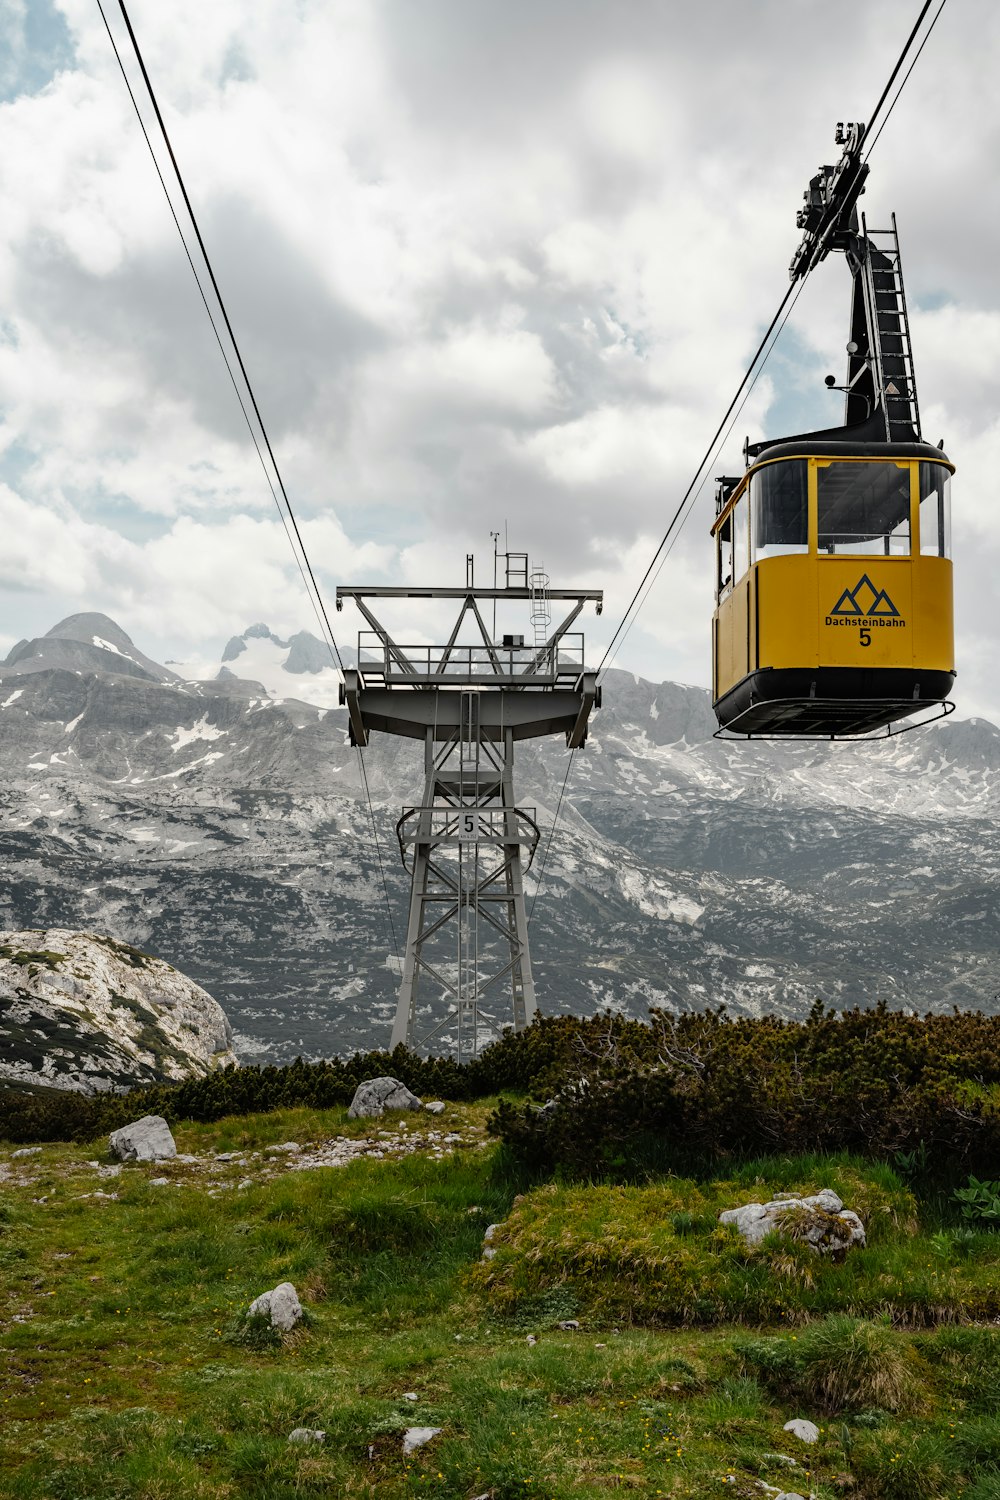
<point x="656" y="898"/>
<point x="203" y="730"/>
<point x="300" y="668"/>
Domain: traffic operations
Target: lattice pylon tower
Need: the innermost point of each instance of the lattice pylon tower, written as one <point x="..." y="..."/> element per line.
<point x="466" y="968"/>
<point x="467" y="888"/>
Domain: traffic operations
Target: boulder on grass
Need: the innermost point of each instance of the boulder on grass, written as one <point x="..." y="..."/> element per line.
<point x="148" y="1139"/>
<point x="805" y="1431"/>
<point x="280" y="1305"/>
<point x="820" y="1221"/>
<point x="373" y="1097"/>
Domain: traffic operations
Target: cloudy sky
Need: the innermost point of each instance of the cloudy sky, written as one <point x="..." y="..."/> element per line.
<point x="492" y="265"/>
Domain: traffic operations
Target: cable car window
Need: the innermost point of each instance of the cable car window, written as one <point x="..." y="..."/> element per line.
<point x="740" y="527"/>
<point x="864" y="508"/>
<point x="779" y="510"/>
<point x="724" y="554"/>
<point x="935" y="510"/>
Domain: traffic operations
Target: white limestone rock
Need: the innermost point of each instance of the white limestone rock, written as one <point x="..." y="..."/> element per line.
<point x="416" y="1437"/>
<point x="281" y="1305"/>
<point x="820" y="1221"/>
<point x="373" y="1097"/>
<point x="148" y="1139"/>
<point x="806" y="1432"/>
<point x="307" y="1435"/>
<point x="89" y="1014"/>
<point x="435" y="1107"/>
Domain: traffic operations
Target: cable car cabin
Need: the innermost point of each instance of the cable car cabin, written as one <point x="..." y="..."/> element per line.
<point x="833" y="588"/>
<point x="833" y="612"/>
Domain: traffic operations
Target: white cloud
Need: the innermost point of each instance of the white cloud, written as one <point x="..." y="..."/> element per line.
<point x="487" y="264"/>
<point x="193" y="580"/>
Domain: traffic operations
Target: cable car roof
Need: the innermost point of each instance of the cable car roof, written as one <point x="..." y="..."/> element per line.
<point x="823" y="447"/>
<point x="844" y="442"/>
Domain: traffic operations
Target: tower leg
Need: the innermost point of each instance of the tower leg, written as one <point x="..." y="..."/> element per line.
<point x="467" y="904"/>
<point x="406" y="1002"/>
<point x="521" y="979"/>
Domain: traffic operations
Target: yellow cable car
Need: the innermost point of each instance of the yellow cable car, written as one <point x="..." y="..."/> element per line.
<point x="833" y="571"/>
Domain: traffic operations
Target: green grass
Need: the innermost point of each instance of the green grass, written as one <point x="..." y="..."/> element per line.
<point x="655" y="1255"/>
<point x="132" y="1376"/>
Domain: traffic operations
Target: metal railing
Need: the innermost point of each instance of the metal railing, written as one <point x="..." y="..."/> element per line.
<point x="429" y="665"/>
<point x="468" y="825"/>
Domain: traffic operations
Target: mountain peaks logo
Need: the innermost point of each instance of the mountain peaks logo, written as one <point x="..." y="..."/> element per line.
<point x="865" y="605"/>
<point x="864" y="599"/>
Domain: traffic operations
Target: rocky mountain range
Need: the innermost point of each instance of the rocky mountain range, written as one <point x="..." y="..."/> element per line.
<point x="220" y="823"/>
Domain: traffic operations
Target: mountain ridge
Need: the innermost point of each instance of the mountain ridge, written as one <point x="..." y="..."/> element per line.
<point x="227" y="830"/>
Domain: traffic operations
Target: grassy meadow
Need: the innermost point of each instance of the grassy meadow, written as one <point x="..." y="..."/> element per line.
<point x="129" y="1371"/>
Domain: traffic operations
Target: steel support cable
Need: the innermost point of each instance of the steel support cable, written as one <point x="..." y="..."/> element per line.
<point x="226" y="320"/>
<point x="548" y="845"/>
<point x="671" y="539"/>
<point x="899" y="63"/>
<point x="913" y="64"/>
<point x="297" y="545"/>
<point x="211" y="318"/>
<point x="665" y="554"/>
<point x="694" y="488"/>
<point x="677" y="516"/>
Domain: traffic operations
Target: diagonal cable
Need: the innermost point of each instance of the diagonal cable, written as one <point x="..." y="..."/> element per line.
<point x="677" y="519"/>
<point x="762" y="354"/>
<point x="297" y="545"/>
<point x="552" y="830"/>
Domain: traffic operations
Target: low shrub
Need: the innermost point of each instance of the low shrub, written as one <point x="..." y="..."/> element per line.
<point x="633" y="1099"/>
<point x="895" y="1465"/>
<point x="839" y="1365"/>
<point x="697" y="1089"/>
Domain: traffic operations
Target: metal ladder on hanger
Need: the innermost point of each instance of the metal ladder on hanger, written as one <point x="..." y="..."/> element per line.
<point x="889" y="331"/>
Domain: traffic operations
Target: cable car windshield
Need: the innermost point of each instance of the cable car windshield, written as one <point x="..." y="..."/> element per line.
<point x="863" y="507"/>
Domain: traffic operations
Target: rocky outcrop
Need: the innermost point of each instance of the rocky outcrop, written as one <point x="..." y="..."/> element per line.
<point x="87" y="1013"/>
<point x="820" y="1221"/>
<point x="805" y="1431"/>
<point x="416" y="1437"/>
